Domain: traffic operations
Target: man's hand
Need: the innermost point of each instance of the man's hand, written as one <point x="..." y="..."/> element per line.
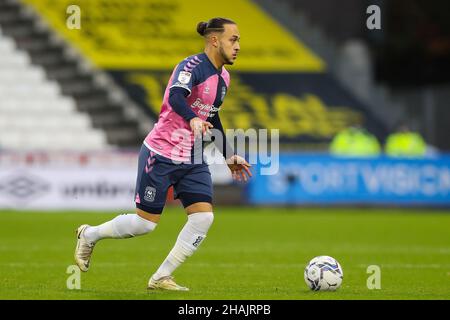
<point x="200" y="127"/>
<point x="239" y="168"/>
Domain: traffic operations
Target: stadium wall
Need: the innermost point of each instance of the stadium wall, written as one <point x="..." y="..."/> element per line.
<point x="106" y="181"/>
<point x="305" y="179"/>
<point x="76" y="180"/>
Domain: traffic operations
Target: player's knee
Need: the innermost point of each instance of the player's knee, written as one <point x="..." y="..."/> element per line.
<point x="143" y="226"/>
<point x="202" y="220"/>
<point x="130" y="225"/>
<point x="194" y="232"/>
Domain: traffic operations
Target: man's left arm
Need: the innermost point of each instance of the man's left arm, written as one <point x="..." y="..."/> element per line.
<point x="239" y="166"/>
<point x="225" y="147"/>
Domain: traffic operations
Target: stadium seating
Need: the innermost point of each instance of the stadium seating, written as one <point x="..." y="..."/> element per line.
<point x="81" y="88"/>
<point x="34" y="114"/>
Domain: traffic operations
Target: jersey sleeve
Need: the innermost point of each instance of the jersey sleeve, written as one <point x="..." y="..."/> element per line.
<point x="186" y="75"/>
<point x="225" y="148"/>
<point x="177" y="100"/>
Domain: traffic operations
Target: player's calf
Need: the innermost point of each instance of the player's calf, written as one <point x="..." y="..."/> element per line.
<point x="189" y="239"/>
<point x="121" y="227"/>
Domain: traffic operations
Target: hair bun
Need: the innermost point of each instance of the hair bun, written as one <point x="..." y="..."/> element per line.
<point x="201" y="28"/>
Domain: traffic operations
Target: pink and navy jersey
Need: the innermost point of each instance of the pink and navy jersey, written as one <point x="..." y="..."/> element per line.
<point x="171" y="136"/>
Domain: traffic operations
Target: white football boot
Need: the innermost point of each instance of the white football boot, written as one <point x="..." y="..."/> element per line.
<point x="84" y="249"/>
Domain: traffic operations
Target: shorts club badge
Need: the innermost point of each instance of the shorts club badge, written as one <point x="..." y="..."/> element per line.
<point x="150" y="194"/>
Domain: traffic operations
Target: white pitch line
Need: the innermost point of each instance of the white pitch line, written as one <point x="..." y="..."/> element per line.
<point x="409" y="266"/>
<point x="292" y="266"/>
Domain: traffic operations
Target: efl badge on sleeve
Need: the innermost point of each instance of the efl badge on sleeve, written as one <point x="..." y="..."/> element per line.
<point x="184" y="77"/>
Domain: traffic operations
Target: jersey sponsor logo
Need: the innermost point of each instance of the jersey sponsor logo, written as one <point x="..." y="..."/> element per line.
<point x="201" y="106"/>
<point x="184" y="77"/>
<point x="204" y="106"/>
<point x="215" y="109"/>
<point x="206" y="91"/>
<point x="149" y="194"/>
<point x="204" y="109"/>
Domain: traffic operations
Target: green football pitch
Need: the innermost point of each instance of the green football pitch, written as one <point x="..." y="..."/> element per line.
<point x="250" y="253"/>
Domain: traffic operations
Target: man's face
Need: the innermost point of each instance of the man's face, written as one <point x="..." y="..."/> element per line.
<point x="228" y="43"/>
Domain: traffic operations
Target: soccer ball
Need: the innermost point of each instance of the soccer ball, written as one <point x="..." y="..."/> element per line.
<point x="323" y="273"/>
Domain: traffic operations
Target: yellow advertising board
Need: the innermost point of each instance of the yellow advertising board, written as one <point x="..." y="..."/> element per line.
<point x="300" y="110"/>
<point x="158" y="34"/>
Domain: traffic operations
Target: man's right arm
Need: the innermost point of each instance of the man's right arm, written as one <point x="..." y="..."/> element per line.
<point x="178" y="102"/>
<point x="177" y="99"/>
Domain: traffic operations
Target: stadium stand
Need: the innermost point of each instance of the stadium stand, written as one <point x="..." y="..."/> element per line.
<point x="337" y="40"/>
<point x="34" y="114"/>
<point x="287" y="83"/>
<point x="42" y="77"/>
<point x="400" y="70"/>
